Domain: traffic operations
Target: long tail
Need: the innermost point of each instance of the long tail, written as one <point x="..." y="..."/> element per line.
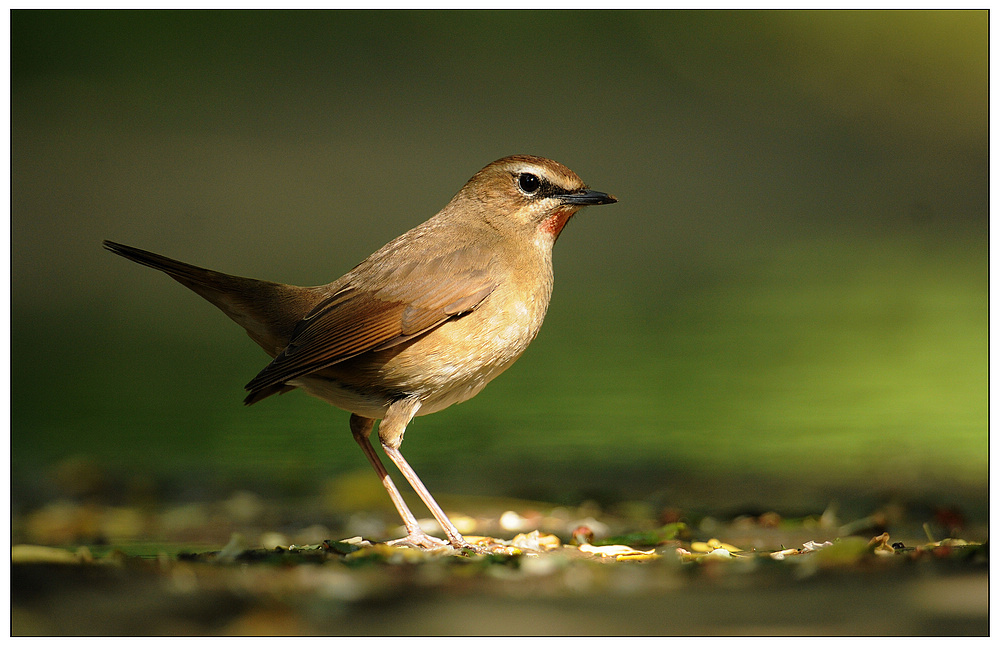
<point x="267" y="311"/>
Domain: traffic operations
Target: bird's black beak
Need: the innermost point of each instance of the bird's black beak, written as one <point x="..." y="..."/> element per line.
<point x="588" y="198"/>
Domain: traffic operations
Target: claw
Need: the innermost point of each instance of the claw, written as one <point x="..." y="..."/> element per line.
<point x="420" y="541"/>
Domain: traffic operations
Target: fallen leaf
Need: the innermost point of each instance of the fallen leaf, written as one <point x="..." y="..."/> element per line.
<point x="808" y="546"/>
<point x="537" y="541"/>
<point x="617" y="551"/>
<point x="41" y="554"/>
<point x="713" y="544"/>
<point x="880" y="545"/>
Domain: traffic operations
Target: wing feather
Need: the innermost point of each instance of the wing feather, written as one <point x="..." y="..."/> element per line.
<point x="378" y="309"/>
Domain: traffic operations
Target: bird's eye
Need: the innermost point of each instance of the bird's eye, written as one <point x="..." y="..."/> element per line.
<point x="528" y="183"/>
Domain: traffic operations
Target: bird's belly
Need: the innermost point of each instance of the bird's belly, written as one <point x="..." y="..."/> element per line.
<point x="345" y="394"/>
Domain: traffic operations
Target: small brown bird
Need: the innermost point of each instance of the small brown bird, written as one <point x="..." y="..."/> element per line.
<point x="423" y="323"/>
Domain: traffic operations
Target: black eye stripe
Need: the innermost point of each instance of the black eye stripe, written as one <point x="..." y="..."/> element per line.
<point x="542" y="189"/>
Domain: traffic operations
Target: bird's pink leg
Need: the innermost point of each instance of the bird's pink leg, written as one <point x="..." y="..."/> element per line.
<point x="390" y="432"/>
<point x="361" y="428"/>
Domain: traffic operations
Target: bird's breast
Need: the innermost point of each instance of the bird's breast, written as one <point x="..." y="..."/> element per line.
<point x="458" y="359"/>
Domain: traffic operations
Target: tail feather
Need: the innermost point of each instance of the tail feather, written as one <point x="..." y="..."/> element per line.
<point x="184" y="273"/>
<point x="267" y="311"/>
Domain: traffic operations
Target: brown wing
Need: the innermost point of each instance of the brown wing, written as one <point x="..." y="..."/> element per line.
<point x="377" y="309"/>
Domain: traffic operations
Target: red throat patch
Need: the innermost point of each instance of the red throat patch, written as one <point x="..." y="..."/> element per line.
<point x="554" y="224"/>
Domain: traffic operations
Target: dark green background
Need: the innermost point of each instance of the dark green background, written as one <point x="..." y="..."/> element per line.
<point x="789" y="303"/>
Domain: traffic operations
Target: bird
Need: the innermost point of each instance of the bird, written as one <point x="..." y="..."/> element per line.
<point x="422" y="323"/>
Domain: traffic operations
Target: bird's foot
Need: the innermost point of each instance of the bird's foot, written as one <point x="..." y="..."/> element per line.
<point x="420" y="541"/>
<point x="474" y="545"/>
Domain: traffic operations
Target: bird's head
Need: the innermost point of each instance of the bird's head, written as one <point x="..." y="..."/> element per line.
<point x="532" y="195"/>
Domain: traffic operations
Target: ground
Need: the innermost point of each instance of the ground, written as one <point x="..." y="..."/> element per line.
<point x="554" y="571"/>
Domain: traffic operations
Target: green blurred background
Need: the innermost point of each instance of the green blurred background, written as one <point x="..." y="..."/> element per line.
<point x="788" y="305"/>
